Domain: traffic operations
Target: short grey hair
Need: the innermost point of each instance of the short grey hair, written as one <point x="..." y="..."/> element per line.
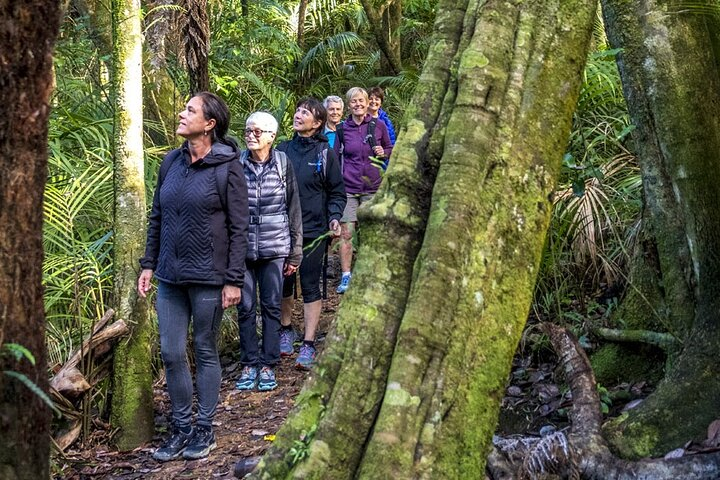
<point x="356" y="91"/>
<point x="333" y="99"/>
<point x="263" y="120"/>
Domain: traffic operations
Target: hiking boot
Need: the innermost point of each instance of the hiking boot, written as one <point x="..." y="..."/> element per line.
<point x="201" y="444"/>
<point x="267" y="380"/>
<point x="287" y="338"/>
<point x="174" y="446"/>
<point x="344" y="283"/>
<point x="306" y="358"/>
<point x="248" y="378"/>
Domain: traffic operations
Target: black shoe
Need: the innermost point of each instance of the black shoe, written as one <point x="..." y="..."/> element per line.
<point x="201" y="444"/>
<point x="173" y="446"/>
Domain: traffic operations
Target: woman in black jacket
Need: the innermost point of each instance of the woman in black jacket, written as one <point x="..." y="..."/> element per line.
<point x="322" y="199"/>
<point x="196" y="246"/>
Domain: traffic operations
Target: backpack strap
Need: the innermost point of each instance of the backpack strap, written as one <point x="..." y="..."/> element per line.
<point x="340" y="136"/>
<point x="371" y="133"/>
<point x="281" y="165"/>
<point x="221" y="179"/>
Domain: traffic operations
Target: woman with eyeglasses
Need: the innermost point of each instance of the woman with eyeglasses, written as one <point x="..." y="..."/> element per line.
<point x="196" y="244"/>
<point x="274" y="249"/>
<point x="322" y="198"/>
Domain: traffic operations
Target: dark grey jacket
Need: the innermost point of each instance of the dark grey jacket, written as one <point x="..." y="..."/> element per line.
<point x="195" y="234"/>
<point x="275" y="226"/>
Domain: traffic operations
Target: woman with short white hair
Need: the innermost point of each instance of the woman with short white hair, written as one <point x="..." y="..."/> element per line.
<point x="274" y="249"/>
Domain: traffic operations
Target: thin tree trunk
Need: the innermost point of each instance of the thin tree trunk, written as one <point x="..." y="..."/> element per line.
<point x="25" y="86"/>
<point x="302" y="9"/>
<point x="672" y="86"/>
<point x="132" y="402"/>
<point x="196" y="34"/>
<point x="410" y="383"/>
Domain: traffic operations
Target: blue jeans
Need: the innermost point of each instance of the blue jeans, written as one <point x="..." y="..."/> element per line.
<point x="176" y="306"/>
<point x="264" y="277"/>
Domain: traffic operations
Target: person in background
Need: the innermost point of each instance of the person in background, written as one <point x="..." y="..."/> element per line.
<point x="376" y="97"/>
<point x="274" y="249"/>
<point x="366" y="149"/>
<point x="334" y="106"/>
<point x="322" y="199"/>
<point x="196" y="245"/>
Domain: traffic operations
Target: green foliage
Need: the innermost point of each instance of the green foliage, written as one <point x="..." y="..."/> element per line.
<point x="19" y="352"/>
<point x="597" y="205"/>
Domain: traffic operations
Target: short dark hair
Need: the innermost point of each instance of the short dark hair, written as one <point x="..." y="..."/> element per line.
<point x="377" y="92"/>
<point x="315" y="107"/>
<point x="215" y="108"/>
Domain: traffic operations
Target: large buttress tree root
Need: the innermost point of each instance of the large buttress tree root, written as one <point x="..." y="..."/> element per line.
<point x="584" y="453"/>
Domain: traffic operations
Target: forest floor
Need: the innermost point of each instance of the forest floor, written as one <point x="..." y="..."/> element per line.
<point x="246" y="422"/>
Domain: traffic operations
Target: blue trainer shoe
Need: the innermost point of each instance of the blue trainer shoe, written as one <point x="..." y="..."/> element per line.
<point x="287" y="338"/>
<point x="248" y="378"/>
<point x="267" y="380"/>
<point x="344" y="283"/>
<point x="306" y="358"/>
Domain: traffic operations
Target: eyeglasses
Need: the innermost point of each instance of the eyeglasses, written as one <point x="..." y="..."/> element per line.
<point x="256" y="131"/>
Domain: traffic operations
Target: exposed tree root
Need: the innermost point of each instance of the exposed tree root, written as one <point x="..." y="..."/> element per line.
<point x="584" y="454"/>
<point x="665" y="341"/>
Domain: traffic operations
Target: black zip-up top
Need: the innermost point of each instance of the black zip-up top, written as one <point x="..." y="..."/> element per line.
<point x="195" y="234"/>
<point x="275" y="229"/>
<point x="322" y="190"/>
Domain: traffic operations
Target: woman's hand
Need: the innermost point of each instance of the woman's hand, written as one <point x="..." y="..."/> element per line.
<point x="379" y="150"/>
<point x="230" y="295"/>
<point x="335" y="228"/>
<point x="144" y="285"/>
<point x="289" y="269"/>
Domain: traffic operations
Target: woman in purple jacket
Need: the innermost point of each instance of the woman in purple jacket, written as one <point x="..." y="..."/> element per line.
<point x="364" y="158"/>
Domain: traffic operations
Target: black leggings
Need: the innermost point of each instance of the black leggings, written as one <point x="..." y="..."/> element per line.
<point x="310" y="271"/>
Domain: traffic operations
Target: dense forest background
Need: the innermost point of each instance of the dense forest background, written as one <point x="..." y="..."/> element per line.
<point x="266" y="55"/>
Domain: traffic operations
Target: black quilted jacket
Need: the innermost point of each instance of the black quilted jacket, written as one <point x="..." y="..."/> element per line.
<point x="195" y="235"/>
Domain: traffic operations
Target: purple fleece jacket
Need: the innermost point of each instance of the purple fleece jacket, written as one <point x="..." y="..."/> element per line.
<point x="360" y="175"/>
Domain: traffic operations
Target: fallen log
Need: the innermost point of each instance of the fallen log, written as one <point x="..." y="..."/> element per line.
<point x="69" y="381"/>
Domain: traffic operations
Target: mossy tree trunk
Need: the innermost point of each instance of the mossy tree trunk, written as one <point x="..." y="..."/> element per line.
<point x="410" y="383"/>
<point x="669" y="70"/>
<point x="132" y="403"/>
<point x="26" y="46"/>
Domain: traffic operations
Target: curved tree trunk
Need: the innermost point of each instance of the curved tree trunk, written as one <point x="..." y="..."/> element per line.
<point x="669" y="70"/>
<point x="411" y="380"/>
<point x="384" y="21"/>
<point x="25" y="85"/>
<point x="132" y="402"/>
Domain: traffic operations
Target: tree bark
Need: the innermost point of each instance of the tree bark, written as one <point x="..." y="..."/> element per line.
<point x="411" y="380"/>
<point x="669" y="70"/>
<point x="302" y="9"/>
<point x="132" y="402"/>
<point x="26" y="46"/>
<point x="196" y="35"/>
